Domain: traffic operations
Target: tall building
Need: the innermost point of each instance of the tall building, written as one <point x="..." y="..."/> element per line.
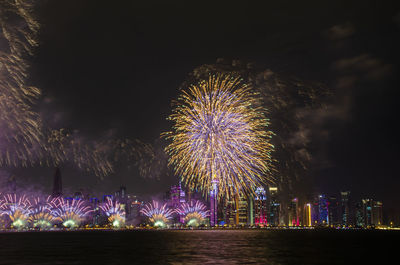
<point x="323" y="210"/>
<point x="359" y="211"/>
<point x="122" y="198"/>
<point x="176" y="198"/>
<point x="230" y="213"/>
<point x="315" y="211"/>
<point x="294" y="213"/>
<point x="333" y="211"/>
<point x="134" y="217"/>
<point x="307" y="215"/>
<point x="214" y="203"/>
<point x="274" y="207"/>
<point x="251" y="211"/>
<point x="260" y="207"/>
<point x="96" y="213"/>
<point x="345" y="208"/>
<point x="57" y="184"/>
<point x="242" y="211"/>
<point x="377" y="216"/>
<point x="367" y="212"/>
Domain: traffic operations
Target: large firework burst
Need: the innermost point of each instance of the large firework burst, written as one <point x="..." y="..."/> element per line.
<point x="194" y="212"/>
<point x="41" y="215"/>
<point x="115" y="212"/>
<point x="294" y="108"/>
<point x="17" y="208"/>
<point x="159" y="214"/>
<point x="220" y="134"/>
<point x="71" y="212"/>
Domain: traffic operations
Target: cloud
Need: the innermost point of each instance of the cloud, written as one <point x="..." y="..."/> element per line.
<point x="339" y="32"/>
<point x="365" y="66"/>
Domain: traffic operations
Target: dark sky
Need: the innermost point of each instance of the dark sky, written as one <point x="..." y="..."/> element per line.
<point x="118" y="64"/>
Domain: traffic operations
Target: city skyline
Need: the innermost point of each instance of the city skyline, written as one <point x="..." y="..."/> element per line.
<point x="268" y="208"/>
<point x="343" y="52"/>
<point x="199" y="132"/>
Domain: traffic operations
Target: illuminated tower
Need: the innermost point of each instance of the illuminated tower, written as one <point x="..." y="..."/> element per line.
<point x="323" y="210"/>
<point x="333" y="211"/>
<point x="260" y="207"/>
<point x="377" y="213"/>
<point x="242" y="211"/>
<point x="345" y="200"/>
<point x="367" y="206"/>
<point x="57" y="184"/>
<point x="307" y="214"/>
<point x="293" y="213"/>
<point x="274" y="207"/>
<point x="214" y="203"/>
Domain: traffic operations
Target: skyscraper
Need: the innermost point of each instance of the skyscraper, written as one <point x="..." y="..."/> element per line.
<point x="367" y="207"/>
<point x="230" y="212"/>
<point x="274" y="207"/>
<point x="214" y="203"/>
<point x="294" y="212"/>
<point x="377" y="217"/>
<point x="359" y="221"/>
<point x="57" y="183"/>
<point x="345" y="208"/>
<point x="323" y="210"/>
<point x="333" y="211"/>
<point x="307" y="214"/>
<point x="176" y="198"/>
<point x="260" y="207"/>
<point x="242" y="211"/>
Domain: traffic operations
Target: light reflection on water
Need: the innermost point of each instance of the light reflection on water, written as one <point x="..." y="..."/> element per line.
<point x="194" y="247"/>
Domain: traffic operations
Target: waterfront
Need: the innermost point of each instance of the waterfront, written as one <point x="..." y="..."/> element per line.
<point x="198" y="247"/>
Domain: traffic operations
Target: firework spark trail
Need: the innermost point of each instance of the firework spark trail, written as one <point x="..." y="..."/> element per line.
<point x="17" y="208"/>
<point x="23" y="138"/>
<point x="20" y="126"/>
<point x="114" y="212"/>
<point x="194" y="212"/>
<point x="71" y="212"/>
<point x="42" y="212"/>
<point x="159" y="214"/>
<point x="220" y="133"/>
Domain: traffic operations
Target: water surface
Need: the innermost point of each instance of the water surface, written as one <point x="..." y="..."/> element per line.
<point x="200" y="247"/>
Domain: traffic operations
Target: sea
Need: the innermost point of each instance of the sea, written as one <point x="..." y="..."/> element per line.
<point x="248" y="246"/>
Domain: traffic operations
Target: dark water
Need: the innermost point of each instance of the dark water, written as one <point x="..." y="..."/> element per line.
<point x="201" y="247"/>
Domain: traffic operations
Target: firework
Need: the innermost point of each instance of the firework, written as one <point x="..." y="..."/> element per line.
<point x="71" y="212"/>
<point x="220" y="135"/>
<point x="20" y="126"/>
<point x="115" y="213"/>
<point x="292" y="105"/>
<point x="158" y="214"/>
<point x="194" y="212"/>
<point x="41" y="215"/>
<point x="17" y="208"/>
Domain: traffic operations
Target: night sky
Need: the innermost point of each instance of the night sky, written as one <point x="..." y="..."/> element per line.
<point x="116" y="65"/>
